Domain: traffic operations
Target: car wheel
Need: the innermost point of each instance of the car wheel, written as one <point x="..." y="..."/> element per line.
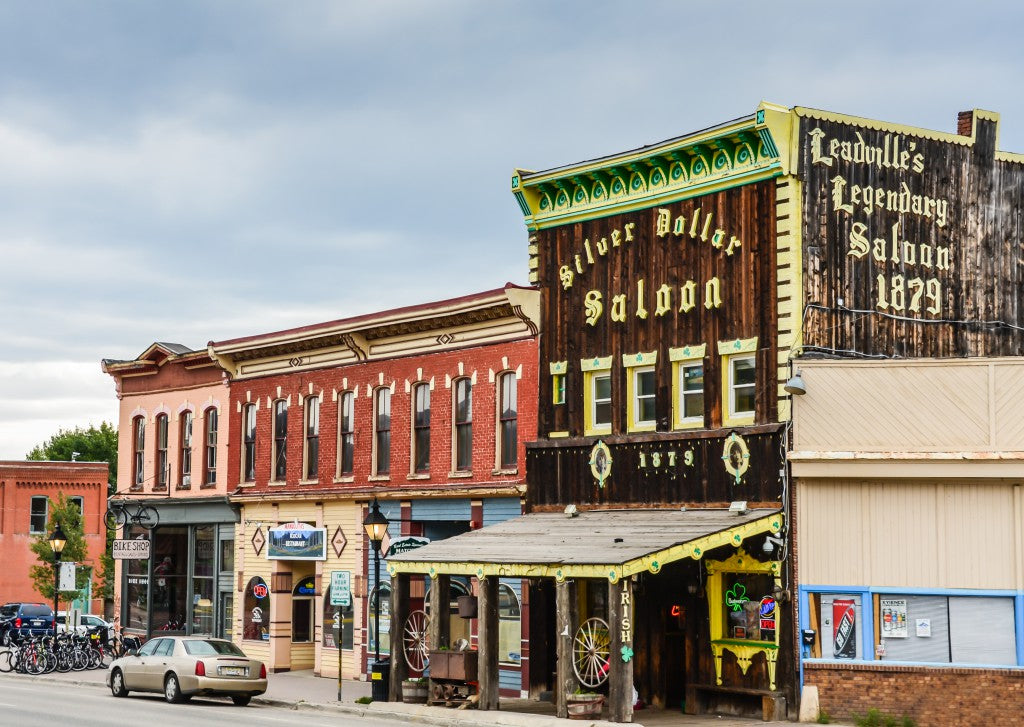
<point x="172" y="690"/>
<point x="117" y="687"/>
<point x="241" y="700"/>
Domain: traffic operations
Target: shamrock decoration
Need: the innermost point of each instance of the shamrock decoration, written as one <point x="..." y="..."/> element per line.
<point x="627" y="653"/>
<point x="736" y="597"/>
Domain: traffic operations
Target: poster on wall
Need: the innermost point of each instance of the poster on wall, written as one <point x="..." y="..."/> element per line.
<point x="894" y="618"/>
<point x="844" y="639"/>
<point x="297" y="541"/>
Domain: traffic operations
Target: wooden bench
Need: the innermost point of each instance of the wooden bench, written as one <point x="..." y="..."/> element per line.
<point x="773" y="704"/>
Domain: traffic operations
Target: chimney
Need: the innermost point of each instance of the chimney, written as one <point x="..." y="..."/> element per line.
<point x="965" y="123"/>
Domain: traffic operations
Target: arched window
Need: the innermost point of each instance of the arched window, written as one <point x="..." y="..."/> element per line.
<point x="210" y="473"/>
<point x="463" y="425"/>
<point x="280" y="440"/>
<point x="311" y="453"/>
<point x="249" y="443"/>
<point x="385" y="619"/>
<point x="161" y="465"/>
<point x="138" y="450"/>
<point x="508" y="419"/>
<point x="346" y="434"/>
<point x="338" y="623"/>
<point x="421" y="428"/>
<point x="509" y="627"/>
<point x="256" y="616"/>
<point x="185" y="449"/>
<point x="382" y="431"/>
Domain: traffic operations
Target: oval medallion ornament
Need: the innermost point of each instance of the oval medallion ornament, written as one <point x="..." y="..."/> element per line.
<point x="601" y="463"/>
<point x="736" y="457"/>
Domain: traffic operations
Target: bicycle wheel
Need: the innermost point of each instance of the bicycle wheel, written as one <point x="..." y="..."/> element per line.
<point x="5" y="661"/>
<point x="147" y="517"/>
<point x="115" y="518"/>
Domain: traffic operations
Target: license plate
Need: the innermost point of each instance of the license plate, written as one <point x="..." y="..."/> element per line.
<point x="234" y="671"/>
<point x="39" y="624"/>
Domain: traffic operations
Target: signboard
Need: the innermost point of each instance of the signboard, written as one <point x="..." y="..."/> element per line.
<point x="341" y="588"/>
<point x="131" y="549"/>
<point x="404" y="544"/>
<point x="297" y="541"/>
<point x="894" y="618"/>
<point x="66" y="581"/>
<point x="844" y="619"/>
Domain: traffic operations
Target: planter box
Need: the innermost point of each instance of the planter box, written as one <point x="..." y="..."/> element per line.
<point x="584" y="706"/>
<point x="458" y="665"/>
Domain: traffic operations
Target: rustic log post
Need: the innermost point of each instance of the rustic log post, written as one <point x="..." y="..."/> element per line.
<point x="439" y="627"/>
<point x="399" y="613"/>
<point x="620" y="675"/>
<point x="566" y="623"/>
<point x="487" y="638"/>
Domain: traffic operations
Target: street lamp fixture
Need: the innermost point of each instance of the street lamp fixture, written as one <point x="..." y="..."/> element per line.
<point x="376" y="526"/>
<point x="57" y="542"/>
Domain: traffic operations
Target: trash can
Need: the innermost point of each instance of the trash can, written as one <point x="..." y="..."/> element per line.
<point x="380" y="677"/>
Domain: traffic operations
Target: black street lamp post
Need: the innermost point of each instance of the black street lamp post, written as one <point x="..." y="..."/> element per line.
<point x="376" y="526"/>
<point x="57" y="542"/>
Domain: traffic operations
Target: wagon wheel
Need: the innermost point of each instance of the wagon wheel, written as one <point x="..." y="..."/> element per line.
<point x="591" y="652"/>
<point x="414" y="641"/>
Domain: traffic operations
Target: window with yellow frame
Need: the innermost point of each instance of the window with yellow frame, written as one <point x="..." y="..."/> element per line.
<point x="558" y="372"/>
<point x="739" y="376"/>
<point x="687" y="386"/>
<point x="597" y="395"/>
<point x="641" y="389"/>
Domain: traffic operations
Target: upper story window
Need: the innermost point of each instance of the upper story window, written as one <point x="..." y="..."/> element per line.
<point x="210" y="472"/>
<point x="738" y="386"/>
<point x="79" y="502"/>
<point x="311" y="452"/>
<point x="463" y="424"/>
<point x="346" y="434"/>
<point x="161" y="464"/>
<point x="280" y="464"/>
<point x="249" y="443"/>
<point x="508" y="421"/>
<point x="37" y="518"/>
<point x="687" y="386"/>
<point x="185" y="448"/>
<point x="559" y="369"/>
<point x="138" y="450"/>
<point x="382" y="431"/>
<point x="597" y="395"/>
<point x="421" y="428"/>
<point x="641" y="388"/>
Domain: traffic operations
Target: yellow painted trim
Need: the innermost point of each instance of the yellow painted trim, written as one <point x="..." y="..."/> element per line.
<point x="652" y="563"/>
<point x="559" y="367"/>
<point x="598" y="363"/>
<point x="729" y="419"/>
<point x="740" y="345"/>
<point x="687" y="352"/>
<point x="630" y="360"/>
<point x="589" y="428"/>
<point x="632" y="425"/>
<point x="556" y="435"/>
<point x="678" y="421"/>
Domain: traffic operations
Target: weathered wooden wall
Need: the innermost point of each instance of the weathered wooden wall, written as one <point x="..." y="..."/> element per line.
<point x="936" y="196"/>
<point x="743" y="262"/>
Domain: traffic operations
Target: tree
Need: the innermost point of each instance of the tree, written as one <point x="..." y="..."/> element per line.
<point x="66" y="513"/>
<point x="92" y="445"/>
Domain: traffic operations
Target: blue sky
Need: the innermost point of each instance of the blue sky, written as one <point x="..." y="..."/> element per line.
<point x="195" y="171"/>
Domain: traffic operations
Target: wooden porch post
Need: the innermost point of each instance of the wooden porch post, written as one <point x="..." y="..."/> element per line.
<point x="620" y="675"/>
<point x="439" y="627"/>
<point x="399" y="613"/>
<point x="487" y="638"/>
<point x="566" y="622"/>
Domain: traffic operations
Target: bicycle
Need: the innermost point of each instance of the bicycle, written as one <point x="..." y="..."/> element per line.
<point x="119" y="515"/>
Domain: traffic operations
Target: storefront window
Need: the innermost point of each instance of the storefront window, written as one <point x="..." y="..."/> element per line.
<point x="170" y="577"/>
<point x="202" y="581"/>
<point x="385" y="619"/>
<point x="335" y="618"/>
<point x="750" y="610"/>
<point x="256" y="617"/>
<point x="137" y="586"/>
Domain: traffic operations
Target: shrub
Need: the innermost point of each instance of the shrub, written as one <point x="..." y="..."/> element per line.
<point x="364" y="700"/>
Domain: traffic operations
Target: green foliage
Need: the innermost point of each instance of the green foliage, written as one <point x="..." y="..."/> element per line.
<point x="878" y="718"/>
<point x="65" y="512"/>
<point x="364" y="700"/>
<point x="92" y="445"/>
<point x="824" y="717"/>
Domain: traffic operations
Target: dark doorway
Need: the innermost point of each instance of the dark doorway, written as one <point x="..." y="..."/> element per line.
<point x="541" y="603"/>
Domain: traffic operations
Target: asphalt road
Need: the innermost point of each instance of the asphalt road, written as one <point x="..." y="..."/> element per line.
<point x="46" y="704"/>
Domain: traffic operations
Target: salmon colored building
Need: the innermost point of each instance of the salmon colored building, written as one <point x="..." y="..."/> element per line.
<point x="27" y="493"/>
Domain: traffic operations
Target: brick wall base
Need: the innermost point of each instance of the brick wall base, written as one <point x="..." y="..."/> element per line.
<point x="933" y="697"/>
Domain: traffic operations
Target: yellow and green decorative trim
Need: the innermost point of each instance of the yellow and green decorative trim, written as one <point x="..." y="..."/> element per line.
<point x="629" y="360"/>
<point x="740" y="345"/>
<point x="559" y="367"/>
<point x="687" y="352"/>
<point x="598" y="363"/>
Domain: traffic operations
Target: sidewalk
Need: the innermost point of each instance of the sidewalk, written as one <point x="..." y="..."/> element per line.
<point x="304" y="690"/>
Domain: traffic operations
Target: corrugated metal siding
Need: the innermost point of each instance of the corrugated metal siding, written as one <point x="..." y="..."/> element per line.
<point x="934" y="648"/>
<point x="501" y="508"/>
<point x="440" y="510"/>
<point x="982" y="630"/>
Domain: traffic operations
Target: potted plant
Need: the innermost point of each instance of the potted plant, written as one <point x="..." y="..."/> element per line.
<point x="414" y="691"/>
<point x="584" y="704"/>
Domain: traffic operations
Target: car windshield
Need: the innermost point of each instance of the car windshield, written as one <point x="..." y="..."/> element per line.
<point x="196" y="647"/>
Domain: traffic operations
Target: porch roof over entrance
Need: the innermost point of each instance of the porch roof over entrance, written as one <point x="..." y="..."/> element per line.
<point x="590" y="544"/>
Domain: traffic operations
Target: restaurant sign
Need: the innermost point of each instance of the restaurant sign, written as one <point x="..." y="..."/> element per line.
<point x="297" y="541"/>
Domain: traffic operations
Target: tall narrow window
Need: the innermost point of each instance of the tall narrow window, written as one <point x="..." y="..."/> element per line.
<point x="508" y="442"/>
<point x="641" y="390"/>
<point x="312" y="448"/>
<point x="138" y="450"/>
<point x="463" y="425"/>
<point x="739" y="363"/>
<point x="37" y="518"/>
<point x="280" y="440"/>
<point x="421" y="428"/>
<point x="249" y="443"/>
<point x="346" y="434"/>
<point x="185" y="449"/>
<point x="210" y="473"/>
<point x="382" y="431"/>
<point x="161" y="463"/>
<point x="741" y="386"/>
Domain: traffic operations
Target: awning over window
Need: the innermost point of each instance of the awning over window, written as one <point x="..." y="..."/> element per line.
<point x="594" y="544"/>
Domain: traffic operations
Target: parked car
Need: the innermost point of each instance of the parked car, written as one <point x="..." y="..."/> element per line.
<point x="87" y="623"/>
<point x="25" y="619"/>
<point x="182" y="667"/>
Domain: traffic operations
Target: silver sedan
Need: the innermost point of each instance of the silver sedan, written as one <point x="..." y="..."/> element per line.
<point x="182" y="667"/>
